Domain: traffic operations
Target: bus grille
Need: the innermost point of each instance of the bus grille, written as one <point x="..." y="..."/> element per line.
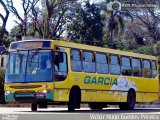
<point x="26" y="87"/>
<point x="25" y="92"/>
<point x="27" y="99"/>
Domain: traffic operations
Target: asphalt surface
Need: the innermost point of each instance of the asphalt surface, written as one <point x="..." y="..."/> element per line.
<point x="13" y="113"/>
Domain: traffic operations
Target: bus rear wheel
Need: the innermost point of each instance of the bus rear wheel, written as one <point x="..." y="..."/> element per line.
<point x="131" y="101"/>
<point x="34" y="106"/>
<point x="96" y="106"/>
<point x="123" y="106"/>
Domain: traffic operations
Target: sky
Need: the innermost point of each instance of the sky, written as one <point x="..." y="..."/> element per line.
<point x="10" y="23"/>
<point x="12" y="18"/>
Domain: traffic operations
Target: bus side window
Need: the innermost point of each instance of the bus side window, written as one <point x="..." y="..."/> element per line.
<point x="61" y="66"/>
<point x="76" y="63"/>
<point x="147" y="69"/>
<point x="126" y="66"/>
<point x="88" y="62"/>
<point x="154" y="69"/>
<point x="101" y="63"/>
<point x="136" y="67"/>
<point x="114" y="66"/>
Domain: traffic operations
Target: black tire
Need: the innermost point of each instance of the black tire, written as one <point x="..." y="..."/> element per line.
<point x="123" y="106"/>
<point x="74" y="100"/>
<point x="34" y="106"/>
<point x="131" y="101"/>
<point x="95" y="106"/>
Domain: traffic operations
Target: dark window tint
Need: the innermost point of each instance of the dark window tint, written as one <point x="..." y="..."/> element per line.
<point x="136" y="63"/>
<point x="147" y="69"/>
<point x="136" y="67"/>
<point x="126" y="61"/>
<point x="88" y="62"/>
<point x="114" y="66"/>
<point x="114" y="60"/>
<point x="126" y="66"/>
<point x="154" y="69"/>
<point x="154" y="65"/>
<point x="76" y="63"/>
<point x="61" y="69"/>
<point x="101" y="63"/>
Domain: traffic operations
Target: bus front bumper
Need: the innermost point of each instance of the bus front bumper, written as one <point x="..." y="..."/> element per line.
<point x="27" y="98"/>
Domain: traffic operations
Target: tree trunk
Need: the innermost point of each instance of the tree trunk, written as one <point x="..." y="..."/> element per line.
<point x="111" y="31"/>
<point x="4" y="20"/>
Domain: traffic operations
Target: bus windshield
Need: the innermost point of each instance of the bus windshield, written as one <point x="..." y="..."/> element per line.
<point x="29" y="66"/>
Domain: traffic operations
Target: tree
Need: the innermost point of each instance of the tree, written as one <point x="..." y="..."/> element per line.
<point x="27" y="6"/>
<point x="4" y="19"/>
<point x="50" y="21"/>
<point x="148" y="19"/>
<point x="157" y="49"/>
<point x="115" y="22"/>
<point x="87" y="25"/>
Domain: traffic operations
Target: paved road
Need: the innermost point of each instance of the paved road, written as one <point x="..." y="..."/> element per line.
<point x="11" y="113"/>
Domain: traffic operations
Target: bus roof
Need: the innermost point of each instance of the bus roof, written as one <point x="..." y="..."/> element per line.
<point x="104" y="50"/>
<point x="64" y="43"/>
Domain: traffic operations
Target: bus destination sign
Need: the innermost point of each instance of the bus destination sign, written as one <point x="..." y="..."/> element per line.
<point x="30" y="45"/>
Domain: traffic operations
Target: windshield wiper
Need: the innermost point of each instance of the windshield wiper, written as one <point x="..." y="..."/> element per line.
<point x="33" y="55"/>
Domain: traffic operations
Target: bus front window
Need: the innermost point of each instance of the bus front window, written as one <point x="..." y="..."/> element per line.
<point x="15" y="70"/>
<point x="29" y="66"/>
<point x="39" y="66"/>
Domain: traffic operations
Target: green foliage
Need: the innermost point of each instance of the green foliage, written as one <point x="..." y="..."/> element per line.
<point x="157" y="49"/>
<point x="15" y="30"/>
<point x="145" y="50"/>
<point x="2" y="75"/>
<point x="8" y="40"/>
<point x="88" y="25"/>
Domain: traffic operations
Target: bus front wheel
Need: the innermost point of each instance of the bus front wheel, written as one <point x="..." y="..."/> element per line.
<point x="74" y="100"/>
<point x="34" y="106"/>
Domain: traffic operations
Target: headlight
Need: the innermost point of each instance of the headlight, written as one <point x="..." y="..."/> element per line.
<point x="42" y="91"/>
<point x="7" y="92"/>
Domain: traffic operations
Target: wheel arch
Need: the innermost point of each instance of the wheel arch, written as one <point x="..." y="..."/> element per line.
<point x="132" y="90"/>
<point x="76" y="89"/>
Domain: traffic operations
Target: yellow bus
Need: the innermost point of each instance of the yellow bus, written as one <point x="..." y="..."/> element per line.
<point x="46" y="72"/>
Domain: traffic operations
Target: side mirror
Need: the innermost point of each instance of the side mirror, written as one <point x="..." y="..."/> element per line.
<point x="60" y="57"/>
